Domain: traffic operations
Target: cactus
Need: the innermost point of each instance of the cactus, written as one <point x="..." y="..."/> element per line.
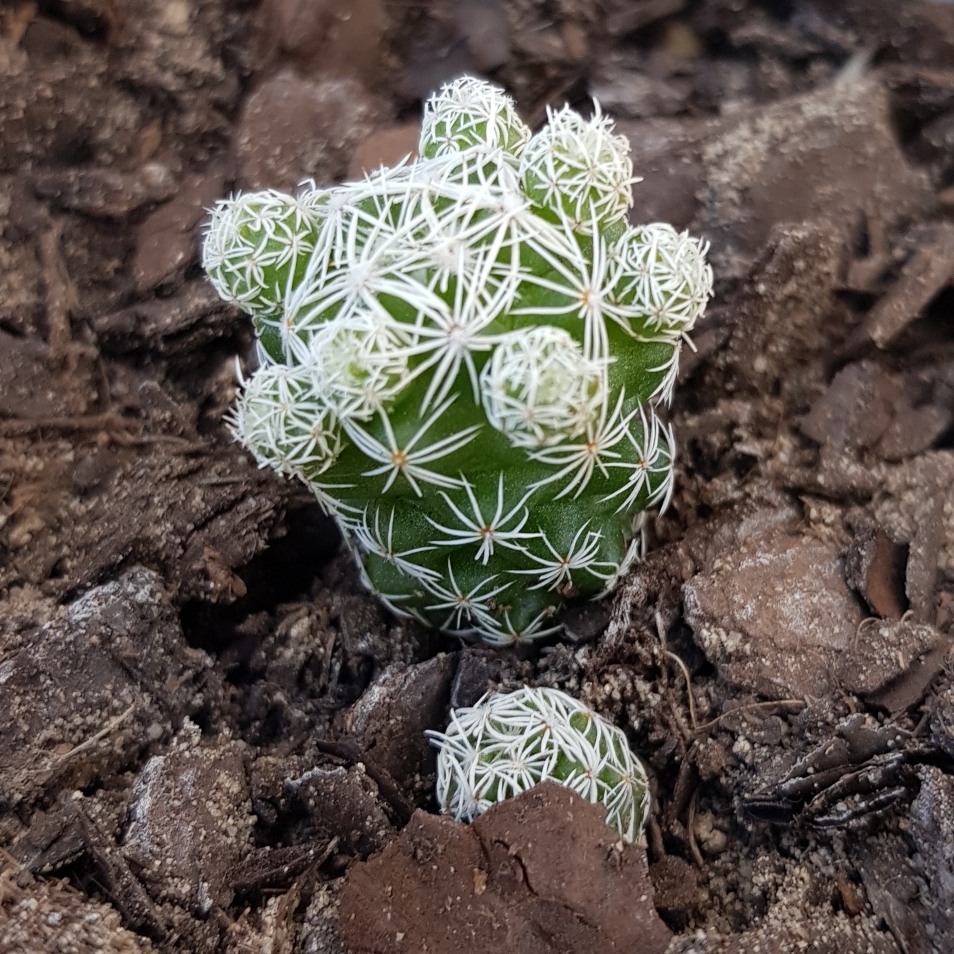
<point x="463" y="356"/>
<point x="510" y="742"/>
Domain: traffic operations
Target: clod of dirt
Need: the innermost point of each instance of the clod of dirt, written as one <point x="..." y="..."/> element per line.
<point x="623" y="18"/>
<point x="462" y="36"/>
<point x="630" y="94"/>
<point x="916" y="506"/>
<point x="774" y="615"/>
<point x="506" y="882"/>
<point x="29" y="389"/>
<point x="884" y="651"/>
<point x="42" y="917"/>
<point x="874" y="567"/>
<point x="21" y="273"/>
<point x="484" y="27"/>
<point x="178" y="325"/>
<point x="786" y="312"/>
<point x="329" y="37"/>
<point x="385" y="147"/>
<point x="167" y="242"/>
<point x="895" y="890"/>
<point x="480" y="670"/>
<point x="390" y="719"/>
<point x="105" y="193"/>
<point x="115" y="675"/>
<point x="51" y="107"/>
<point x="676" y="885"/>
<point x="194" y="517"/>
<point x="929" y="269"/>
<point x="667" y="154"/>
<point x="319" y="933"/>
<point x="855" y="410"/>
<point x="921" y="33"/>
<point x="345" y="804"/>
<point x="932" y="828"/>
<point x="825" y="157"/>
<point x="190" y="821"/>
<point x="942" y="721"/>
<point x="914" y="429"/>
<point x="292" y="128"/>
<point x="802" y="920"/>
<point x="174" y="49"/>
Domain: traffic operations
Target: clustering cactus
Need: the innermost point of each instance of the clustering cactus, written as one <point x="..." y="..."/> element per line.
<point x="510" y="742"/>
<point x="462" y="358"/>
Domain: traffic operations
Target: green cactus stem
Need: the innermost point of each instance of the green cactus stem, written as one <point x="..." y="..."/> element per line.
<point x="463" y="357"/>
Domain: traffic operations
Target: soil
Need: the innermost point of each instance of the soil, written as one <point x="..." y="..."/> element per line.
<point x="212" y="740"/>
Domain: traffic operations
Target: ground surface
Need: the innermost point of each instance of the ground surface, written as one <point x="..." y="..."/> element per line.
<point x="207" y="729"/>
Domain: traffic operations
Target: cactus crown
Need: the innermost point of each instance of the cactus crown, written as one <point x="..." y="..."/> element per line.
<point x="509" y="742"/>
<point x="462" y="357"/>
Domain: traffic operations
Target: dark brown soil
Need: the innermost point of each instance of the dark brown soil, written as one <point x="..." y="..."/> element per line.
<point x="212" y="740"/>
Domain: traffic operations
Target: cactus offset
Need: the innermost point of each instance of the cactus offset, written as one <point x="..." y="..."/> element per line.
<point x="509" y="742"/>
<point x="462" y="357"/>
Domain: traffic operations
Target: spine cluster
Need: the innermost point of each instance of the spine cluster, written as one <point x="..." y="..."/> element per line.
<point x="462" y="357"/>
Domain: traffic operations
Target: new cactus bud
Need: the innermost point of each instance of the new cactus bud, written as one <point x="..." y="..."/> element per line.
<point x="463" y="358"/>
<point x="510" y="742"/>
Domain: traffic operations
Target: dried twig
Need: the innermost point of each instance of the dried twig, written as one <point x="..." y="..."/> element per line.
<point x="752" y="705"/>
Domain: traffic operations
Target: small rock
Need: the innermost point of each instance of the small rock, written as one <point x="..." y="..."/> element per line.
<point x="40" y="916"/>
<point x="344" y="804"/>
<point x="330" y="37"/>
<point x="874" y="566"/>
<point x="106" y="193"/>
<point x="190" y="821"/>
<point x="167" y="242"/>
<point x="292" y="128"/>
<point x="855" y="410"/>
<point x="385" y="147"/>
<point x="390" y="719"/>
<point x="824" y="156"/>
<point x="852" y="897"/>
<point x="676" y="885"/>
<point x="774" y="615"/>
<point x="633" y="95"/>
<point x="928" y="270"/>
<point x="932" y="828"/>
<point x="883" y="652"/>
<point x="115" y="675"/>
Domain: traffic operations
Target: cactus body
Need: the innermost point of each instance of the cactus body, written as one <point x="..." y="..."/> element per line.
<point x="462" y="357"/>
<point x="510" y="742"/>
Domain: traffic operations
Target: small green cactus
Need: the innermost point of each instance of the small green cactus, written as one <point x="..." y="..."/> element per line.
<point x="462" y="358"/>
<point x="510" y="742"/>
